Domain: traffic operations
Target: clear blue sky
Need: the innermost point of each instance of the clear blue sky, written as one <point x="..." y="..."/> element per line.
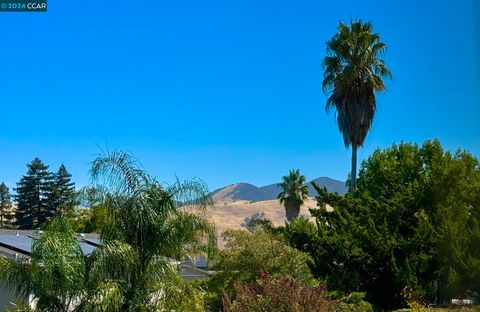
<point x="227" y="91"/>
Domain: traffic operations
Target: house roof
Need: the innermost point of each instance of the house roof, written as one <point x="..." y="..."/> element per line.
<point x="17" y="244"/>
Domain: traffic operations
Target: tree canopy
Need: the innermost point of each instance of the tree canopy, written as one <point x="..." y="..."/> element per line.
<point x="411" y="230"/>
<point x="34" y="196"/>
<point x="6" y="214"/>
<point x="148" y="225"/>
<point x="353" y="74"/>
<point x="294" y="193"/>
<point x="42" y="195"/>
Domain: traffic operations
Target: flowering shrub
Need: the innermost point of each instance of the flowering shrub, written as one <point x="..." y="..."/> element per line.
<point x="282" y="294"/>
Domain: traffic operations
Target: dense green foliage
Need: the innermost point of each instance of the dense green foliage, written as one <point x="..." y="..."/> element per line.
<point x="91" y="214"/>
<point x="294" y="193"/>
<point x="285" y="293"/>
<point x="55" y="274"/>
<point x="411" y="231"/>
<point x="6" y="214"/>
<point x="353" y="74"/>
<point x="90" y="220"/>
<point x="352" y="302"/>
<point x="63" y="279"/>
<point x="34" y="194"/>
<point x="409" y="234"/>
<point x="247" y="254"/>
<point x="280" y="294"/>
<point x="63" y="191"/>
<point x="147" y="226"/>
<point x="41" y="195"/>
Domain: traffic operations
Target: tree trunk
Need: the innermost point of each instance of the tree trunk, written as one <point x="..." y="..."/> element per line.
<point x="353" y="173"/>
<point x="291" y="212"/>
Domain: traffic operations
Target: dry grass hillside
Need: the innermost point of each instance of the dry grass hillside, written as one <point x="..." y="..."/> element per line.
<point x="231" y="214"/>
<point x="235" y="202"/>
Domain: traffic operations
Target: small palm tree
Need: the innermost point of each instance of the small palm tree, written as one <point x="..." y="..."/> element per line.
<point x="294" y="194"/>
<point x="353" y="74"/>
<point x="147" y="225"/>
<point x="55" y="275"/>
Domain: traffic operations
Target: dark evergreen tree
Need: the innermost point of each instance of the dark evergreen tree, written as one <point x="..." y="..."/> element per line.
<point x="410" y="232"/>
<point x="35" y="196"/>
<point x="5" y="206"/>
<point x="63" y="190"/>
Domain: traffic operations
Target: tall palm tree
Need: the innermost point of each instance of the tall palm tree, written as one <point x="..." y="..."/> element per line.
<point x="353" y="74"/>
<point x="294" y="194"/>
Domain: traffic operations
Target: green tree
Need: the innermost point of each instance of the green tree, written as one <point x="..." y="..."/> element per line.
<point x="34" y="196"/>
<point x="353" y="74"/>
<point x="294" y="193"/>
<point x="55" y="275"/>
<point x="147" y="225"/>
<point x="91" y="214"/>
<point x="411" y="230"/>
<point x="247" y="254"/>
<point x="5" y="206"/>
<point x="303" y="235"/>
<point x="63" y="191"/>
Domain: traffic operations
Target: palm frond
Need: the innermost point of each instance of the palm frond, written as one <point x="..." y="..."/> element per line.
<point x="186" y="233"/>
<point x="146" y="223"/>
<point x="107" y="297"/>
<point x="114" y="260"/>
<point x="353" y="73"/>
<point x="119" y="171"/>
<point x="190" y="194"/>
<point x="294" y="193"/>
<point x="16" y="276"/>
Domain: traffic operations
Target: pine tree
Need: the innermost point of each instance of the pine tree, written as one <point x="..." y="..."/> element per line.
<point x="63" y="190"/>
<point x="35" y="196"/>
<point x="5" y="206"/>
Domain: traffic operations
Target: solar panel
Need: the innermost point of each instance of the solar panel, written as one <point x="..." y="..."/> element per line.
<point x="92" y="241"/>
<point x="21" y="244"/>
<point x="87" y="248"/>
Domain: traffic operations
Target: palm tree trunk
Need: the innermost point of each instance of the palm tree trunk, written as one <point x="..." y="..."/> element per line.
<point x="291" y="212"/>
<point x="353" y="173"/>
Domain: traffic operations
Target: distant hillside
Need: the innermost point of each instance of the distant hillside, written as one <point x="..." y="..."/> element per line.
<point x="230" y="215"/>
<point x="252" y="193"/>
<point x="238" y="191"/>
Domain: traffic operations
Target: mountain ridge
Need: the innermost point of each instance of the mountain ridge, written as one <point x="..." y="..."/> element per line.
<point x="243" y="191"/>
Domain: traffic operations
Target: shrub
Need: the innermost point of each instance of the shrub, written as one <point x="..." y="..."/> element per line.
<point x="413" y="223"/>
<point x="281" y="294"/>
<point x="247" y="254"/>
<point x="352" y="302"/>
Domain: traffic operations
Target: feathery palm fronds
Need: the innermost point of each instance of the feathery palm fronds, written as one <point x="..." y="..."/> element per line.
<point x="353" y="74"/>
<point x="294" y="193"/>
<point x="54" y="275"/>
<point x="147" y="225"/>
